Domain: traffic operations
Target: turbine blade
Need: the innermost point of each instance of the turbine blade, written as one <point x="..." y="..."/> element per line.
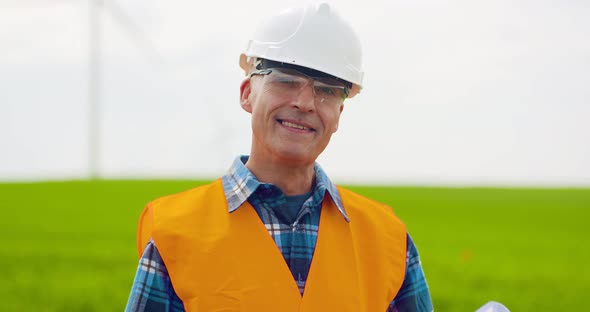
<point x="142" y="41"/>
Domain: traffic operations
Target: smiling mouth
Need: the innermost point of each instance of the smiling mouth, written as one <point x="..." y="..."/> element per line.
<point x="294" y="125"/>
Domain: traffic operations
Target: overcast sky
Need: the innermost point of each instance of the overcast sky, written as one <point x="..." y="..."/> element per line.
<point x="456" y="92"/>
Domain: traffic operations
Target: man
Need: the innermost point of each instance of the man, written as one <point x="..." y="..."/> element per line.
<point x="209" y="248"/>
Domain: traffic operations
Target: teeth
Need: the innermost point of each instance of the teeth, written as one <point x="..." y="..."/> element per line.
<point x="292" y="125"/>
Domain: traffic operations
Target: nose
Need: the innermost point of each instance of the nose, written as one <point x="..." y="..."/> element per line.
<point x="305" y="100"/>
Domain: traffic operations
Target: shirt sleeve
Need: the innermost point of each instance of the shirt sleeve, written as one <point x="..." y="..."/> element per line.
<point x="414" y="295"/>
<point x="152" y="290"/>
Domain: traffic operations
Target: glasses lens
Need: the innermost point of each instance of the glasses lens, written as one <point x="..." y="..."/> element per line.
<point x="329" y="92"/>
<point x="290" y="82"/>
<point x="286" y="81"/>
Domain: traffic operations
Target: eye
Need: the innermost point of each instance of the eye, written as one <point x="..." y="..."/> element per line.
<point x="326" y="91"/>
<point x="285" y="81"/>
<point x="330" y="92"/>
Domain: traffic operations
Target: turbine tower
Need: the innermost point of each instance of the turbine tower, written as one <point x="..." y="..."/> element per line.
<point x="95" y="67"/>
<point x="94" y="87"/>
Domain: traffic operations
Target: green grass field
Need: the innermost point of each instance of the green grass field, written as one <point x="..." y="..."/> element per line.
<point x="70" y="246"/>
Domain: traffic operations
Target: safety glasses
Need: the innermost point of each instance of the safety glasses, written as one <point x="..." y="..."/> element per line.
<point x="290" y="82"/>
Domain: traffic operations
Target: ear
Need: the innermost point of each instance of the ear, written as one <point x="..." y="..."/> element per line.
<point x="245" y="91"/>
<point x="339" y="113"/>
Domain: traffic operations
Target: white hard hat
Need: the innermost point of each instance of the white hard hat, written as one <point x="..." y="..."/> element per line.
<point x="315" y="37"/>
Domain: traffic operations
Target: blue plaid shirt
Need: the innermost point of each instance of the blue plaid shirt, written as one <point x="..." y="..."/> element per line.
<point x="153" y="291"/>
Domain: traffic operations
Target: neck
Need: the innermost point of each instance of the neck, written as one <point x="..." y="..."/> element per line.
<point x="292" y="179"/>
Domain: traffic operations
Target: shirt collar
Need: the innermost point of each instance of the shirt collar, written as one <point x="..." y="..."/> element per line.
<point x="239" y="184"/>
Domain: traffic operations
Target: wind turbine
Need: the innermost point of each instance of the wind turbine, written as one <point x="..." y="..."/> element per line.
<point x="95" y="66"/>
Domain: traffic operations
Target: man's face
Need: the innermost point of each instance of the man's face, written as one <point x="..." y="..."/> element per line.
<point x="293" y="128"/>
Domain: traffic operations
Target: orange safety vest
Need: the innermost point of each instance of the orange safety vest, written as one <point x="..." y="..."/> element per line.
<point x="221" y="261"/>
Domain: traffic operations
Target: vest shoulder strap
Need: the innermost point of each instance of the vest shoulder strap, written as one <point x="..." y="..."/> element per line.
<point x="183" y="203"/>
